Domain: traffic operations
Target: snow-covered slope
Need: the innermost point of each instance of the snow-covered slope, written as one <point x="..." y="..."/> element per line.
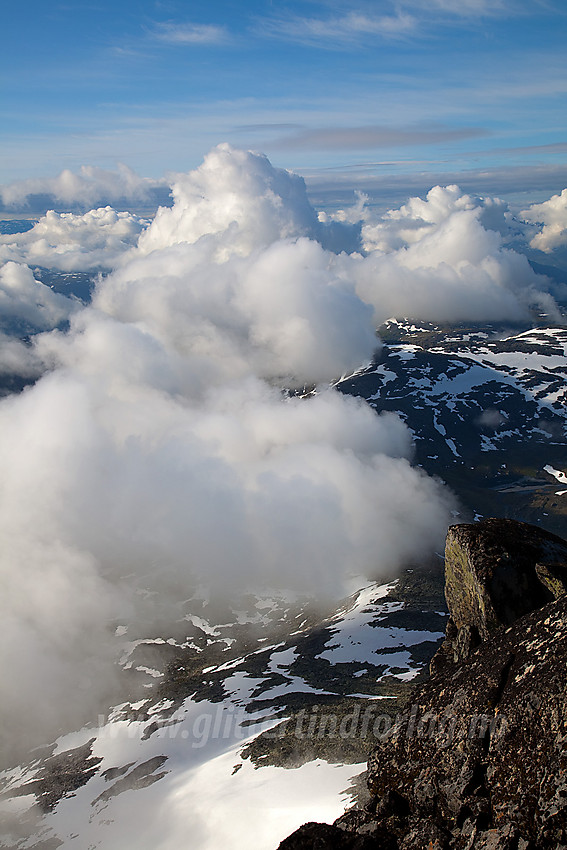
<point x="202" y="758"/>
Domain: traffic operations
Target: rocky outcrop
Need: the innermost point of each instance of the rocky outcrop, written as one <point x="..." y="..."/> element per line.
<point x="478" y="759"/>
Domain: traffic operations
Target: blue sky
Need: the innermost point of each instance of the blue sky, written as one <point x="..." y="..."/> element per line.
<point x="350" y="94"/>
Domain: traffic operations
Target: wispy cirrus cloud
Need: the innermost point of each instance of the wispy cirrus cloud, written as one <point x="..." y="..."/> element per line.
<point x="466" y="8"/>
<point x="403" y="19"/>
<point x="339" y="30"/>
<point x="553" y="147"/>
<point x="525" y="150"/>
<point x="189" y="33"/>
<point x="374" y="136"/>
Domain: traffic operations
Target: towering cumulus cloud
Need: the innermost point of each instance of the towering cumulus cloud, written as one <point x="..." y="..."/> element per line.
<point x="164" y="445"/>
<point x="238" y="200"/>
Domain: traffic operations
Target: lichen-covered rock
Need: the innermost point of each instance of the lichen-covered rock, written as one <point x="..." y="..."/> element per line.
<point x="553" y="577"/>
<point x="478" y="760"/>
<point x="490" y="572"/>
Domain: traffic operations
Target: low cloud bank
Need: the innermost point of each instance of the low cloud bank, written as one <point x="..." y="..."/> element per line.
<point x="163" y="449"/>
<point x="83" y="189"/>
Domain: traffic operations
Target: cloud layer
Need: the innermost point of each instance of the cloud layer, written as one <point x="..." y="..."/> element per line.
<point x="373" y="136"/>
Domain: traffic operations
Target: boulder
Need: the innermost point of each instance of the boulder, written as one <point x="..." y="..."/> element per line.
<point x="498" y="570"/>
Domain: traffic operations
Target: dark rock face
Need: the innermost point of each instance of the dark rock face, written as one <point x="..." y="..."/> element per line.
<point x="485" y="748"/>
<point x="478" y="760"/>
<point x="140" y="777"/>
<point x="323" y="836"/>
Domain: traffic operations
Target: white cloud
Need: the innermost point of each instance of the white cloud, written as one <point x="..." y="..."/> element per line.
<point x="87" y="187"/>
<point x="238" y="195"/>
<point x="71" y="242"/>
<point x="17" y="358"/>
<point x="188" y="33"/>
<point x="105" y="476"/>
<point x="279" y="312"/>
<point x="551" y="216"/>
<point x="340" y="31"/>
<point x="26" y="305"/>
<point x="442" y="259"/>
<point x="418" y="218"/>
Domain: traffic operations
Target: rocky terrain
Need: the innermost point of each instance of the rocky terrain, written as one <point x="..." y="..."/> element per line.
<point x="477" y="759"/>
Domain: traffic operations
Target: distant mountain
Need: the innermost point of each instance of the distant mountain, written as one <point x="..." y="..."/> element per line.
<point x="487" y="406"/>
